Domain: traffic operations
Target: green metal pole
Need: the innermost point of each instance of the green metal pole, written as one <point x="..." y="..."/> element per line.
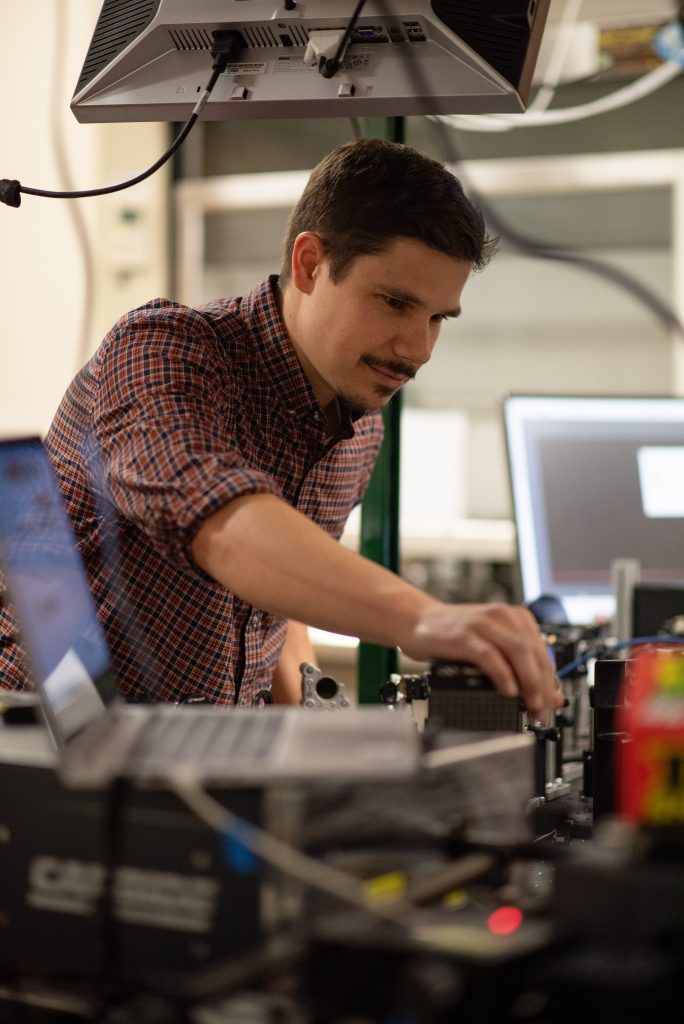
<point x="380" y="542"/>
<point x="380" y="509"/>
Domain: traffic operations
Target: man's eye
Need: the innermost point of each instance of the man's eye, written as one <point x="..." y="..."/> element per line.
<point x="395" y="303"/>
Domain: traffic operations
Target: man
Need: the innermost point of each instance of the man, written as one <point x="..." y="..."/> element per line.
<point x="232" y="441"/>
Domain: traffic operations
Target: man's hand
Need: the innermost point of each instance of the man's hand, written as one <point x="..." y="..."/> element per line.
<point x="502" y="640"/>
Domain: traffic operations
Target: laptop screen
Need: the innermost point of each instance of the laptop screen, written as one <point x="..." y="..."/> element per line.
<point x="48" y="588"/>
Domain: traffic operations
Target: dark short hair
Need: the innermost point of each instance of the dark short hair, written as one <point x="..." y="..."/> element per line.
<point x="366" y="193"/>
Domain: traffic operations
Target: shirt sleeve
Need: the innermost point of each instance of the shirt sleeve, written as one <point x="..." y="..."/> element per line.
<point x="164" y="426"/>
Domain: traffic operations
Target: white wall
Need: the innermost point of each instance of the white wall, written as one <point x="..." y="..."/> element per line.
<point x="43" y="253"/>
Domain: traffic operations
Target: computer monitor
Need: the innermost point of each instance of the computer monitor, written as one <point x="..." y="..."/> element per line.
<point x="595" y="479"/>
<point x="149" y="60"/>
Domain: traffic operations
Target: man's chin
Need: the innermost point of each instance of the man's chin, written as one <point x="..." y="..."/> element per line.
<point x="359" y="406"/>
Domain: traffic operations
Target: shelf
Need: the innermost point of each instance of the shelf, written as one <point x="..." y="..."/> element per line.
<point x="478" y="540"/>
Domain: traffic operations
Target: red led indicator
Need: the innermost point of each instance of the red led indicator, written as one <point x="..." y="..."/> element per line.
<point x="505" y="920"/>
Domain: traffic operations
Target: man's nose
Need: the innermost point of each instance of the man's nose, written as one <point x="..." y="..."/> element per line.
<point x="416" y="343"/>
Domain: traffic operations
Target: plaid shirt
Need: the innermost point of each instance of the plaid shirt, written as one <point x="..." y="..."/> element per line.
<point x="186" y="410"/>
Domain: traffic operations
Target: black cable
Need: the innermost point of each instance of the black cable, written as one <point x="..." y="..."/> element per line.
<point x="226" y="43"/>
<point x="543" y="250"/>
<point x="329" y="68"/>
<point x="538" y="249"/>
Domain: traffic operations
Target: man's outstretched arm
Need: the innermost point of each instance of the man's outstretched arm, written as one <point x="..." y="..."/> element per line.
<point x="273" y="557"/>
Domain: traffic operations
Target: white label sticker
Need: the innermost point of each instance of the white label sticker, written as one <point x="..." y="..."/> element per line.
<point x="357" y="62"/>
<point x="256" y="68"/>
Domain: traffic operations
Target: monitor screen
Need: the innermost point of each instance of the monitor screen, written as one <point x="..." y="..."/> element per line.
<point x="593" y="480"/>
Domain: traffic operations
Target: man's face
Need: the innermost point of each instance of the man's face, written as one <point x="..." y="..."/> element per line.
<point x="364" y="337"/>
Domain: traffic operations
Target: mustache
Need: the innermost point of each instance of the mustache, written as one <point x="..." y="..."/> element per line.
<point x="398" y="369"/>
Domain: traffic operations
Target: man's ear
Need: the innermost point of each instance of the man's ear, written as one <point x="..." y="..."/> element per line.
<point x="308" y="253"/>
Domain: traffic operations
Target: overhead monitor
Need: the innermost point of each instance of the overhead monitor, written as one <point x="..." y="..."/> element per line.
<point x="149" y="60"/>
<point x="595" y="479"/>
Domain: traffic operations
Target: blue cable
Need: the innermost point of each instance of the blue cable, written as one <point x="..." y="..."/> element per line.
<point x="634" y="642"/>
<point x="237" y="845"/>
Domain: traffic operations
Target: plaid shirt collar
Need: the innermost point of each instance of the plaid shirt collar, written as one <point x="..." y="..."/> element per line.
<point x="282" y="367"/>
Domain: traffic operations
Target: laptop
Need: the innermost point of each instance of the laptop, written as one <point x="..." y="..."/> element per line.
<point x="97" y="735"/>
